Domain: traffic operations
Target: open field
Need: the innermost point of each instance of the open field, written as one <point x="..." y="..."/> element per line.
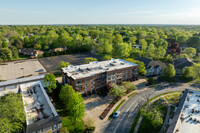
<point x="51" y="63"/>
<point x="19" y="69"/>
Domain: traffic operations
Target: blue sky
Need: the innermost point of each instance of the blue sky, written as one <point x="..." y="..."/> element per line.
<point x="99" y="11"/>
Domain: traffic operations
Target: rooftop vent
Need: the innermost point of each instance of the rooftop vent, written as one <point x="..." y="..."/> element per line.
<point x="112" y="64"/>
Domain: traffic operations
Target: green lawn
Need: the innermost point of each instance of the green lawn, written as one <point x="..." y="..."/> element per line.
<point x="71" y="127"/>
<point x="131" y="94"/>
<point x="162" y="108"/>
<point x="173" y="98"/>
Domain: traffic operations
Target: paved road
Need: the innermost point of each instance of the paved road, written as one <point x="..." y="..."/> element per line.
<point x="129" y="109"/>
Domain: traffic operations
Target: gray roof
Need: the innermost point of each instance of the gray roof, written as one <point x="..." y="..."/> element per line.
<point x="182" y="62"/>
<point x="42" y="124"/>
<point x="145" y="60"/>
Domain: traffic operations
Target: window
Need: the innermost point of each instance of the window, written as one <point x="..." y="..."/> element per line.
<point x="91" y="83"/>
<point x="54" y="127"/>
<point x="86" y="85"/>
<point x="78" y="82"/>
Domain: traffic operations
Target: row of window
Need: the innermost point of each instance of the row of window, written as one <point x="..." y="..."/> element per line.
<point x="53" y="128"/>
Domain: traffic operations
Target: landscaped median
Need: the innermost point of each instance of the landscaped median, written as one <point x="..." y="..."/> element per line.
<point x="113" y="103"/>
<point x="168" y="97"/>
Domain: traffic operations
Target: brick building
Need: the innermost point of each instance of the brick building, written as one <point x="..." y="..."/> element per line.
<point x="88" y="78"/>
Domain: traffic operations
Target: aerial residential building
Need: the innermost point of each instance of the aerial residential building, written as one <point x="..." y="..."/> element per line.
<point x="33" y="53"/>
<point x="181" y="63"/>
<point x="153" y="68"/>
<point x="187" y="116"/>
<point x="41" y="115"/>
<point x="89" y="78"/>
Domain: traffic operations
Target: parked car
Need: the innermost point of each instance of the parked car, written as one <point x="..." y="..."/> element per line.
<point x="116" y="114"/>
<point x="41" y="70"/>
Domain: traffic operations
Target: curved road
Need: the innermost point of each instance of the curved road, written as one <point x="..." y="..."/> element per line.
<point x="129" y="109"/>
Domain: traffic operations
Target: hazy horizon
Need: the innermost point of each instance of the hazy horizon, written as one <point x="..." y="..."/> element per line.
<point x="84" y="12"/>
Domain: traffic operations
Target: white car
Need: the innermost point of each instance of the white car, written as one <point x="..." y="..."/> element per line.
<point x="116" y="114"/>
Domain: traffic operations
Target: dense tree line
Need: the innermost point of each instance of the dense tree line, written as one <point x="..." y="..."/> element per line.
<point x="108" y="40"/>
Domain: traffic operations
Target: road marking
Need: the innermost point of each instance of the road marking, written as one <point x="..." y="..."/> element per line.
<point x="124" y="116"/>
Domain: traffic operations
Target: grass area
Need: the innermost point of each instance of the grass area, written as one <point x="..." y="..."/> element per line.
<point x="71" y="127"/>
<point x="132" y="94"/>
<point x="119" y="105"/>
<point x="159" y="96"/>
<point x="135" y="122"/>
<point x="174" y="98"/>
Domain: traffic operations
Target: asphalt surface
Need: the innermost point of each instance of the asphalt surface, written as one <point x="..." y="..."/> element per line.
<point x="129" y="110"/>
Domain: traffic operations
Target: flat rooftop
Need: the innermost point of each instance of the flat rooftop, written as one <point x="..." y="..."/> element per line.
<point x="86" y="70"/>
<point x="188" y="117"/>
<point x="37" y="104"/>
<point x="20" y="69"/>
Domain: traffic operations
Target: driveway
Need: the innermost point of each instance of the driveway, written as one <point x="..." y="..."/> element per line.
<point x="129" y="109"/>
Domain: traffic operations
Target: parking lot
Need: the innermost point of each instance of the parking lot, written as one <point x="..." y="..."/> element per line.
<point x="51" y="63"/>
<point x="20" y="69"/>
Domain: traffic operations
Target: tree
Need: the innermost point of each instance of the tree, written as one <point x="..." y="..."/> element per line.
<point x="169" y="71"/>
<point x="129" y="86"/>
<point x="154" y="119"/>
<point x="117" y="91"/>
<point x="188" y="72"/>
<point x="117" y="39"/>
<point x="37" y="46"/>
<point x="133" y="40"/>
<point x="151" y="50"/>
<point x="18" y="43"/>
<point x="50" y="82"/>
<point x="5" y="54"/>
<point x="12" y="116"/>
<point x="73" y="102"/>
<point x="76" y="107"/>
<point x="62" y="65"/>
<point x="106" y="57"/>
<point x="122" y="50"/>
<point x="15" y="54"/>
<point x="65" y="94"/>
<point x="191" y="52"/>
<point x="5" y="44"/>
<point x="89" y="59"/>
<point x="141" y="68"/>
<point x="194" y="41"/>
<point x="143" y="44"/>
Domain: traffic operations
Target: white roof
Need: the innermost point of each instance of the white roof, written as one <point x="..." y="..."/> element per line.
<point x="86" y="70"/>
<point x="34" y="97"/>
<point x="187" y="125"/>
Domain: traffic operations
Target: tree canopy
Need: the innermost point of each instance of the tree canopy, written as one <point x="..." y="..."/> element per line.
<point x="89" y="59"/>
<point x="12" y="116"/>
<point x="63" y="64"/>
<point x="50" y="82"/>
<point x="169" y="71"/>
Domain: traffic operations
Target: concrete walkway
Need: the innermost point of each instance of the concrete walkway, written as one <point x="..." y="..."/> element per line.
<point x="164" y="127"/>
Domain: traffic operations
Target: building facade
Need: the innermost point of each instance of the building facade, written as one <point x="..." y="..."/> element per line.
<point x="89" y="78"/>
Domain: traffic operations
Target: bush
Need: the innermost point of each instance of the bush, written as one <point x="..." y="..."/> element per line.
<point x="129" y="86"/>
<point x="150" y="81"/>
